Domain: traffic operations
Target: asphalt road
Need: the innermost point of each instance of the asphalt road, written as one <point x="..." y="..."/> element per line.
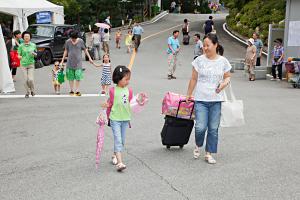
<point x="47" y="145"/>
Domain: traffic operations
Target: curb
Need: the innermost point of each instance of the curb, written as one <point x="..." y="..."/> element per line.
<point x="156" y="18"/>
<point x="241" y="40"/>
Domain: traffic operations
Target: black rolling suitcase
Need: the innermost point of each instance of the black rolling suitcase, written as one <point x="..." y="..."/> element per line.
<point x="177" y="131"/>
<point x="186" y="39"/>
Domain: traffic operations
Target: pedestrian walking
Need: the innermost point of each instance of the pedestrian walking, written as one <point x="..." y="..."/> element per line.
<point x="277" y="59"/>
<point x="120" y="115"/>
<point x="128" y="41"/>
<point x="185" y="32"/>
<point x="105" y="42"/>
<point x="107" y="21"/>
<point x="172" y="51"/>
<point x="74" y="73"/>
<point x="185" y="27"/>
<point x="250" y="59"/>
<point x="27" y="52"/>
<point x="259" y="48"/>
<point x="198" y="51"/>
<point x="118" y="37"/>
<point x="16" y="42"/>
<point x="130" y="16"/>
<point x="96" y="44"/>
<point x="172" y="7"/>
<point x="106" y="74"/>
<point x="208" y="25"/>
<point x="55" y="73"/>
<point x="137" y="35"/>
<point x="211" y="74"/>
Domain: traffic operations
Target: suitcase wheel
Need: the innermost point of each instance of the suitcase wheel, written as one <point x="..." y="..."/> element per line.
<point x="181" y="146"/>
<point x="168" y="147"/>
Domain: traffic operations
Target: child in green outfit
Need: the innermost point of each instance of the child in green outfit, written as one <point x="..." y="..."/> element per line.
<point x="120" y="115"/>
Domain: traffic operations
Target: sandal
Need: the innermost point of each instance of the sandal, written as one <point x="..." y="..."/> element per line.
<point x="196" y="152"/>
<point x="210" y="159"/>
<point x="114" y="160"/>
<point x="121" y="167"/>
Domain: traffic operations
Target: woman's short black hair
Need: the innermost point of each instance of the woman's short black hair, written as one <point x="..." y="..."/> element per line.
<point x="210" y="17"/>
<point x="26" y="32"/>
<point x="74" y="34"/>
<point x="119" y="73"/>
<point x="185" y="20"/>
<point x="17" y="32"/>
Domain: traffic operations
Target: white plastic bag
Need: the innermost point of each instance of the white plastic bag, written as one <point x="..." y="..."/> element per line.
<point x="232" y="112"/>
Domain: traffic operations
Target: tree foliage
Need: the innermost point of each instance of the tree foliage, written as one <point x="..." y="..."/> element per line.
<point x="247" y="16"/>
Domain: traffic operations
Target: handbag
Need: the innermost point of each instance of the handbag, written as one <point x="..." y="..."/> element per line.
<point x="232" y="111"/>
<point x="61" y="77"/>
<point x="38" y="64"/>
<point x="170" y="106"/>
<point x="14" y="60"/>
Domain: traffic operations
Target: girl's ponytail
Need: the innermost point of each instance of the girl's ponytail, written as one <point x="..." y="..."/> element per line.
<point x="220" y="50"/>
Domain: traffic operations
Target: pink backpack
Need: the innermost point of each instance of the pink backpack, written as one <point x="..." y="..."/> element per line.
<point x="170" y="106"/>
<point x="111" y="99"/>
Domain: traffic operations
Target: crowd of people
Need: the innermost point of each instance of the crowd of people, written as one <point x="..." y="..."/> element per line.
<point x="210" y="76"/>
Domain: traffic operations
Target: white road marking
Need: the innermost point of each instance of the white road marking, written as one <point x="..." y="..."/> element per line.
<point x="15" y="96"/>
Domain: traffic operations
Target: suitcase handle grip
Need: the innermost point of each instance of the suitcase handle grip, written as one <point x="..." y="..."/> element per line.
<point x="181" y="101"/>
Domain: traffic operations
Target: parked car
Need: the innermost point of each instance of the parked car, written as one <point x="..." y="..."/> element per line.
<point x="50" y="39"/>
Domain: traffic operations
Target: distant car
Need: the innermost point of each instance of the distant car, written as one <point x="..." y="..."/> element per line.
<point x="50" y="39"/>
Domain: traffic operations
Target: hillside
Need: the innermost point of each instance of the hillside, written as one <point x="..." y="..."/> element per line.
<point x="247" y="16"/>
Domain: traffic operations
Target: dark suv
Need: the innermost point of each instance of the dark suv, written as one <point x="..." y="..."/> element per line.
<point x="50" y="39"/>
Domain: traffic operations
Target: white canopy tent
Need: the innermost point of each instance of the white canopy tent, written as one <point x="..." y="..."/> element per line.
<point x="6" y="81"/>
<point x="21" y="9"/>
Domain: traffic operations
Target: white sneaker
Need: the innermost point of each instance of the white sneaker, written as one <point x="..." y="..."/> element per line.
<point x="272" y="79"/>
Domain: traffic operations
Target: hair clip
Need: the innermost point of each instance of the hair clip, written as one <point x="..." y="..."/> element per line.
<point x="121" y="69"/>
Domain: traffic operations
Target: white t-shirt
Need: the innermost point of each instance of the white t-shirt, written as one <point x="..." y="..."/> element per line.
<point x="106" y="37"/>
<point x="210" y="74"/>
<point x="96" y="38"/>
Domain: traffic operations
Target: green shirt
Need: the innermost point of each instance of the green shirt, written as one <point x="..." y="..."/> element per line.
<point x="26" y="50"/>
<point x="15" y="47"/>
<point x="120" y="110"/>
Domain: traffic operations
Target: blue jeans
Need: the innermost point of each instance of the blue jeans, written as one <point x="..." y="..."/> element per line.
<point x="119" y="130"/>
<point x="208" y="115"/>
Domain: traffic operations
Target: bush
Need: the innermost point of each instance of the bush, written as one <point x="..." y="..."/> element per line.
<point x="254" y="13"/>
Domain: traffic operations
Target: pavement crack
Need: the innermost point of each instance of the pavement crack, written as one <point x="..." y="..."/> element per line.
<point x="157" y="174"/>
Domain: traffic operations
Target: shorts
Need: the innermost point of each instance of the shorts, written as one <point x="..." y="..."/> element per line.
<point x="74" y="74"/>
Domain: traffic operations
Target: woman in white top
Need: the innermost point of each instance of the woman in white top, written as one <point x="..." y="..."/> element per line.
<point x="211" y="74"/>
<point x="96" y="40"/>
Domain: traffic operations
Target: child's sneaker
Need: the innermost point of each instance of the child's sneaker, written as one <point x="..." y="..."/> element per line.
<point x="78" y="94"/>
<point x="114" y="160"/>
<point x="71" y="93"/>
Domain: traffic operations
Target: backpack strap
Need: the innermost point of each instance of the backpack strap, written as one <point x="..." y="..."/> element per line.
<point x="130" y="94"/>
<point x="111" y="96"/>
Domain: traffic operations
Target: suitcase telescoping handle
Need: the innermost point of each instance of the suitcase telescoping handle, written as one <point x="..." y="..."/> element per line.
<point x="181" y="101"/>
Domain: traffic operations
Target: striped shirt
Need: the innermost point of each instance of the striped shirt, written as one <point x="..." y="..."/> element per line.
<point x="106" y="74"/>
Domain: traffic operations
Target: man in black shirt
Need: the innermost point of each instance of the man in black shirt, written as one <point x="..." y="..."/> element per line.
<point x="208" y="25"/>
